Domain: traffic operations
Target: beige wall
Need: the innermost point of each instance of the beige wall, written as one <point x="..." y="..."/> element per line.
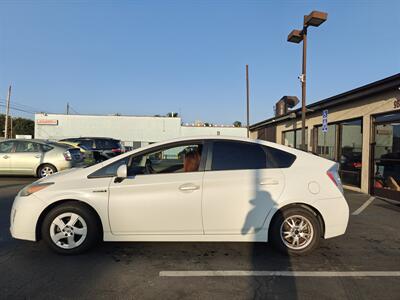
<point x="368" y="106"/>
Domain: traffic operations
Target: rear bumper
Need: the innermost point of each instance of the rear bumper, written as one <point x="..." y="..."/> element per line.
<point x="335" y="213"/>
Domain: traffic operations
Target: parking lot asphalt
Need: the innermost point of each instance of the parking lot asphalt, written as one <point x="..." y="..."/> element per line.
<point x="132" y="270"/>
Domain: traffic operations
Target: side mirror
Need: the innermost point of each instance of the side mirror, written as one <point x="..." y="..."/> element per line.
<point x="122" y="173"/>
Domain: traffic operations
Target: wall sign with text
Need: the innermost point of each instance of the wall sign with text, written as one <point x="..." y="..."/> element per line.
<point x="46" y="122"/>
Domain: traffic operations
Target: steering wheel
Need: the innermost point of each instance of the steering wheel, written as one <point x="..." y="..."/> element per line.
<point x="149" y="167"/>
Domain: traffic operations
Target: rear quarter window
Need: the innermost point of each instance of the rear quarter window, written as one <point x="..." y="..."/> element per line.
<point x="277" y="158"/>
<point x="46" y="148"/>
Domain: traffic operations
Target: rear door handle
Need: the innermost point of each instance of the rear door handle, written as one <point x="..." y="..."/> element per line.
<point x="5" y="156"/>
<point x="269" y="181"/>
<point x="188" y="187"/>
<point x="37" y="155"/>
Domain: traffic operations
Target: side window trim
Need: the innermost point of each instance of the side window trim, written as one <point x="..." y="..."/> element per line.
<point x="209" y="155"/>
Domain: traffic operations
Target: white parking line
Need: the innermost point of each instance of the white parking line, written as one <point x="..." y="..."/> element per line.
<point x="280" y="273"/>
<point x="364" y="206"/>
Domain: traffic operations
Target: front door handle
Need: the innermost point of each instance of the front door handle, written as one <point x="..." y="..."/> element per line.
<point x="37" y="155"/>
<point x="269" y="181"/>
<point x="5" y="156"/>
<point x="188" y="187"/>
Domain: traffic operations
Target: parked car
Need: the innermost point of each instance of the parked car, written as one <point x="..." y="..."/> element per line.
<point x="103" y="148"/>
<point x="87" y="154"/>
<point x="221" y="189"/>
<point x="36" y="157"/>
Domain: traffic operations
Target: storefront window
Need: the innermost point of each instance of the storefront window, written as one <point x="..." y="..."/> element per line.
<point x="351" y="152"/>
<point x="289" y="138"/>
<point x="342" y="143"/>
<point x="326" y="142"/>
<point x="387" y="156"/>
<point x="298" y="139"/>
<point x="292" y="138"/>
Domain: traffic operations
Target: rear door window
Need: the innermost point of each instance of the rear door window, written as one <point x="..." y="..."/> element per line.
<point x="107" y="144"/>
<point x="88" y="144"/>
<point x="232" y="155"/>
<point x="22" y="146"/>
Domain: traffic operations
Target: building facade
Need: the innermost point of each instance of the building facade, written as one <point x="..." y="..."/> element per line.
<point x="361" y="131"/>
<point x="133" y="131"/>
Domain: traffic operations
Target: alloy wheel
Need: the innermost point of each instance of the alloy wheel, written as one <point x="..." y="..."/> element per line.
<point x="296" y="232"/>
<point x="68" y="230"/>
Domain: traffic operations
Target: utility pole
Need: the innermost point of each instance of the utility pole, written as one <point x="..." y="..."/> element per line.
<point x="7" y="113"/>
<point x="67" y="108"/>
<point x="248" y="100"/>
<point x="11" y="127"/>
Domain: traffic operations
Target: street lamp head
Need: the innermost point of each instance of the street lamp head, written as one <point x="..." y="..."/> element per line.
<point x="315" y="18"/>
<point x="295" y="36"/>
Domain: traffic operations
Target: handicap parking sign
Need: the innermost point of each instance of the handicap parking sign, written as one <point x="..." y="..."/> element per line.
<point x="325" y="120"/>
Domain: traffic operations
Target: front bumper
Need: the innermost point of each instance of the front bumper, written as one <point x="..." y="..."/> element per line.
<point x="24" y="216"/>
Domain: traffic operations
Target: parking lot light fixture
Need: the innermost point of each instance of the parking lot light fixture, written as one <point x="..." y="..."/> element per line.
<point x="295" y="36"/>
<point x="315" y="18"/>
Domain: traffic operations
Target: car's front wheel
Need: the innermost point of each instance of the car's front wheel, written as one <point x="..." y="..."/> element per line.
<point x="295" y="231"/>
<point x="70" y="228"/>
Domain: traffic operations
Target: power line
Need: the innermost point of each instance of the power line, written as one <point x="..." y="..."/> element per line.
<point x="23" y="106"/>
<point x="18" y="109"/>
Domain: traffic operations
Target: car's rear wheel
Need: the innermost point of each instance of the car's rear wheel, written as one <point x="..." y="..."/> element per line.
<point x="70" y="228"/>
<point x="46" y="170"/>
<point x="295" y="231"/>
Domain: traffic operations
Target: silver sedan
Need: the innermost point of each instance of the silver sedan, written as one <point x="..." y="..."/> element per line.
<point x="36" y="157"/>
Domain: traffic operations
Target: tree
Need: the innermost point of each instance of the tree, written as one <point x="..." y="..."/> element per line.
<point x="20" y="126"/>
<point x="237" y="124"/>
<point x="23" y="126"/>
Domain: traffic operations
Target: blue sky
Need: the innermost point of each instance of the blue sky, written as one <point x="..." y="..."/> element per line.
<point x="152" y="57"/>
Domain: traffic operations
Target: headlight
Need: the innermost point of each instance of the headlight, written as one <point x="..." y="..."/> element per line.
<point x="33" y="188"/>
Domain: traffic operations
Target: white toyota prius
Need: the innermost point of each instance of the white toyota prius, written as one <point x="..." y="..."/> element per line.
<point x="188" y="189"/>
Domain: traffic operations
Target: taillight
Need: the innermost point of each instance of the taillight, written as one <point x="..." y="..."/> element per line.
<point x="117" y="150"/>
<point x="334" y="176"/>
<point x="67" y="156"/>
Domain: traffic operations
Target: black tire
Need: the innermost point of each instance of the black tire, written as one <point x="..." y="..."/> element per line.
<point x="45" y="169"/>
<point x="275" y="236"/>
<point x="88" y="217"/>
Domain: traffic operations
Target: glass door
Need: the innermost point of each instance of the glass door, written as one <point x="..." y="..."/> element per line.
<point x="386" y="156"/>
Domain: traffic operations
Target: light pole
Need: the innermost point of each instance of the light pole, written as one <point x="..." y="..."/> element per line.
<point x="315" y="18"/>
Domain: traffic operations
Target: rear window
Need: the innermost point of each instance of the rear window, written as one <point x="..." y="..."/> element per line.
<point x="107" y="144"/>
